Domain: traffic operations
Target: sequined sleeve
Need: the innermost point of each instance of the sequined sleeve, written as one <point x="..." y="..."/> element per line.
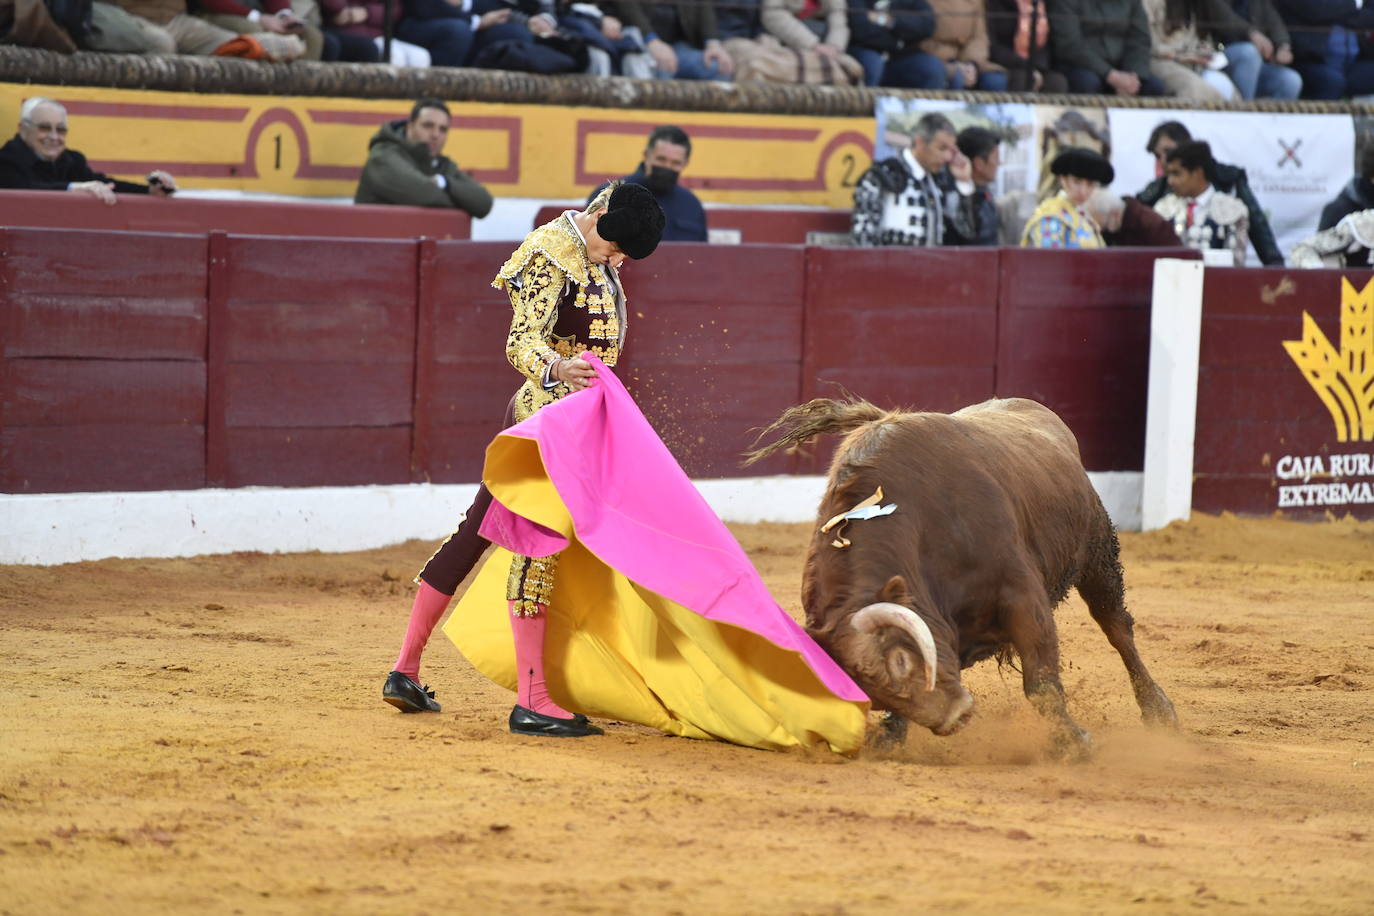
<point x="866" y="223"/>
<point x="534" y="293"/>
<point x="1045" y="232"/>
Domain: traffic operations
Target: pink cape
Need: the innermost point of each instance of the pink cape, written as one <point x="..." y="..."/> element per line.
<point x="635" y="511"/>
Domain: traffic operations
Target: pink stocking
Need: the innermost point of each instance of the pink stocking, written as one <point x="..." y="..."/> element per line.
<point x="533" y="692"/>
<point x="424" y="614"/>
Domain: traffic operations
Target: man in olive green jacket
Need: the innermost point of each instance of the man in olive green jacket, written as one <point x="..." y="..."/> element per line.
<point x="406" y="165"/>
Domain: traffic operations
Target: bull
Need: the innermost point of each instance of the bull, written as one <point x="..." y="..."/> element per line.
<point x="994" y="521"/>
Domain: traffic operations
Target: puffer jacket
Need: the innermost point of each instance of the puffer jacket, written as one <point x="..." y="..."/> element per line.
<point x="400" y="172"/>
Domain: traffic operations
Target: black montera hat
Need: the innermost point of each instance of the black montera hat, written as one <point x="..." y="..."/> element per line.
<point x="633" y="220"/>
<point x="1083" y="163"/>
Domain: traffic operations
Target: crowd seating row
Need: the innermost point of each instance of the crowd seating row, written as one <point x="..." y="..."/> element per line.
<point x="1201" y="51"/>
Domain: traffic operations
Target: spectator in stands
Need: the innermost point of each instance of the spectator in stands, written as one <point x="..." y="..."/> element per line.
<point x="1188" y="66"/>
<point x="805" y="24"/>
<point x="1103" y="46"/>
<point x="351" y="20"/>
<point x="737" y="23"/>
<point x="1326" y="45"/>
<point x="961" y="42"/>
<point x="1345" y="244"/>
<point x="1026" y="58"/>
<point x="1126" y="222"/>
<point x="165" y="27"/>
<point x="246" y="17"/>
<point x="1202" y="216"/>
<point x="682" y="37"/>
<point x="970" y="210"/>
<point x="886" y="37"/>
<point x="406" y="165"/>
<point x="1257" y="48"/>
<point x="1229" y="179"/>
<point x="37" y="159"/>
<point x="899" y="201"/>
<point x="1061" y="220"/>
<point x="1358" y="194"/>
<point x="871" y="36"/>
<point x="528" y="40"/>
<point x="445" y="29"/>
<point x="613" y="49"/>
<point x="666" y="154"/>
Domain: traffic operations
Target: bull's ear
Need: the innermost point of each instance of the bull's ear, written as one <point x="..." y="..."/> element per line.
<point x="896" y="592"/>
<point x="819" y="634"/>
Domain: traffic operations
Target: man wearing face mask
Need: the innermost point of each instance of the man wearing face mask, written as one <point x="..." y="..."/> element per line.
<point x="665" y="156"/>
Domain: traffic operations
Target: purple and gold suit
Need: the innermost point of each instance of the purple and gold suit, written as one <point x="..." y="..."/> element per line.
<point x="563" y="305"/>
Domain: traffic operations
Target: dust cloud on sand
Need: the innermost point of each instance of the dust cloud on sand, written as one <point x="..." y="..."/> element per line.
<point x="207" y="735"/>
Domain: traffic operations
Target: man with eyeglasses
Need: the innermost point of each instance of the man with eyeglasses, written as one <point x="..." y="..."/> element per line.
<point x="37" y="159"/>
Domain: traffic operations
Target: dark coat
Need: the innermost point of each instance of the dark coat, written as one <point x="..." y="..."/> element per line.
<point x="1100" y="36"/>
<point x="1002" y="25"/>
<point x="400" y="172"/>
<point x="1142" y="227"/>
<point x="969" y="220"/>
<point x="695" y="21"/>
<point x="1358" y="194"/>
<point x="1230" y="179"/>
<point x="21" y="168"/>
<point x="685" y="218"/>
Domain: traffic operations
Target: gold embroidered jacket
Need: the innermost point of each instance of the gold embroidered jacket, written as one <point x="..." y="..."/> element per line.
<point x="562" y="306"/>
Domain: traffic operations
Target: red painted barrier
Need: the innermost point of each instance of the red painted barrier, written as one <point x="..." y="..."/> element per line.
<point x="1074" y="334"/>
<point x="141" y="361"/>
<point x="102" y="384"/>
<point x="139" y="213"/>
<point x="320" y="341"/>
<point x="1266" y="439"/>
<point x="715" y="347"/>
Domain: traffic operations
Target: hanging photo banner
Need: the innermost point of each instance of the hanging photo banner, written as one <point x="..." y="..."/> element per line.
<point x="1015" y="124"/>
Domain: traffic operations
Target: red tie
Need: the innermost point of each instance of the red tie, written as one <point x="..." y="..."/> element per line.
<point x="1192" y="204"/>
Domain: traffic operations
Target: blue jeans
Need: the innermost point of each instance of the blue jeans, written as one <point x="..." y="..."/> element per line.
<point x="448" y="41"/>
<point x="915" y="71"/>
<point x="691" y="65"/>
<point x="1340" y="73"/>
<point x="1255" y="77"/>
<point x="873" y="63"/>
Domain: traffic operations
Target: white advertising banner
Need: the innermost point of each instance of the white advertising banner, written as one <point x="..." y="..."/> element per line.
<point x="1296" y="163"/>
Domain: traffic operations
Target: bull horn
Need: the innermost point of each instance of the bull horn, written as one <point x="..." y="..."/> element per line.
<point x="885" y="613"/>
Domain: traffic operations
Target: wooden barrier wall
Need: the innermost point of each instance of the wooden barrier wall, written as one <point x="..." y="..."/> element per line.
<point x="1266" y="440"/>
<point x="140" y="213"/>
<point x="140" y="361"/>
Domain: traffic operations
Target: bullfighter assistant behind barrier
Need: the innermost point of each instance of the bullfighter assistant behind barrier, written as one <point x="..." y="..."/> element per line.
<point x="567" y="299"/>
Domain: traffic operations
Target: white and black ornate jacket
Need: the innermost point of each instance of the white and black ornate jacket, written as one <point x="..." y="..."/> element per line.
<point x="897" y="202"/>
<point x="1217" y="220"/>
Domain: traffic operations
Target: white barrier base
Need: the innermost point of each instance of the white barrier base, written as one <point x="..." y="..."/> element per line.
<point x="48" y="529"/>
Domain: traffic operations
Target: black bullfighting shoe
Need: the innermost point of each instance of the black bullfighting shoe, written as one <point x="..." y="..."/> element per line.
<point x="528" y="722"/>
<point x="406" y="695"/>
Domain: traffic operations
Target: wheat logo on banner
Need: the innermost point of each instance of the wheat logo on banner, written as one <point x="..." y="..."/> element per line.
<point x="1343" y="380"/>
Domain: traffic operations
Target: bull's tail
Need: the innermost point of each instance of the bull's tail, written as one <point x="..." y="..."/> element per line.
<point x="800" y="424"/>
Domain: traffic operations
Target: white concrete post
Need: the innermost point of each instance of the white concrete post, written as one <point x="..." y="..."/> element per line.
<point x="1171" y="412"/>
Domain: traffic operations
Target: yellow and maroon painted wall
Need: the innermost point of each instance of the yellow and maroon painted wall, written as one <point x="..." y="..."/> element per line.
<point x="315" y="147"/>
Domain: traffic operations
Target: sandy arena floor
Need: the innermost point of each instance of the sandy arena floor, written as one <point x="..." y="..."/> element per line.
<point x="207" y="736"/>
